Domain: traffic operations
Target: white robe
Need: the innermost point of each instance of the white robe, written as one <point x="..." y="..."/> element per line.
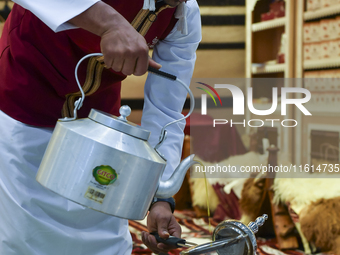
<point x="34" y="220"/>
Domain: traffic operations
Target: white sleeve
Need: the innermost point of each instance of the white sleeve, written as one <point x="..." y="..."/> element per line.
<point x="163" y="98"/>
<point x="56" y="13"/>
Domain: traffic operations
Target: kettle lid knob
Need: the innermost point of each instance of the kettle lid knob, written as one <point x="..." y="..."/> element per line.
<point x="124" y="111"/>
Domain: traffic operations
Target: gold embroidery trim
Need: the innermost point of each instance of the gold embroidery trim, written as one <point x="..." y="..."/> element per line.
<point x="96" y="64"/>
<point x="149" y="21"/>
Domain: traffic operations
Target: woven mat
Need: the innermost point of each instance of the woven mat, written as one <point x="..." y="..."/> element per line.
<point x="197" y="230"/>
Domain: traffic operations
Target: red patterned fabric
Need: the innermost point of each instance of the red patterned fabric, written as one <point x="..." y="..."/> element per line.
<point x="199" y="228"/>
<point x="228" y="207"/>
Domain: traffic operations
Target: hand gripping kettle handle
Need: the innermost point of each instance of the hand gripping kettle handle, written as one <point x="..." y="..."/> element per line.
<point x="79" y="102"/>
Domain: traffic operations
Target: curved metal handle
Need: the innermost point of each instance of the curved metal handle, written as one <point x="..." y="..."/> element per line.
<point x="79" y="103"/>
<point x="192" y="105"/>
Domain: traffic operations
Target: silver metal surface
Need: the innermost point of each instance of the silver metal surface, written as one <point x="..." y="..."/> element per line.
<point x="78" y="147"/>
<point x="233" y="228"/>
<point x="254" y="226"/>
<point x="124" y="111"/>
<point x="173" y="185"/>
<point x="231" y="237"/>
<point x="75" y="112"/>
<point x="121" y="125"/>
<point x="214" y="246"/>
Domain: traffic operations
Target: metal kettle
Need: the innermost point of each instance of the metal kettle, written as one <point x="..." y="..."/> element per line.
<point x="106" y="163"/>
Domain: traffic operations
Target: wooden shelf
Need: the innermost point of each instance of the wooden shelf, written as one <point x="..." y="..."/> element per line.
<point x="324" y="12"/>
<point x="263" y="44"/>
<point x="263" y="40"/>
<point x="277" y="68"/>
<point x="279" y="22"/>
<point x="321" y="63"/>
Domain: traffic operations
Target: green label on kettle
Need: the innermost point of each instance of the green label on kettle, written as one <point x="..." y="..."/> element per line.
<point x="105" y="175"/>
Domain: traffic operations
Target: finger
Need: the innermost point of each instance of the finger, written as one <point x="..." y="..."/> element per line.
<point x="163" y="232"/>
<point x="152" y="240"/>
<point x="176" y="233"/>
<point x="117" y="64"/>
<point x="129" y="66"/>
<point x="151" y="245"/>
<point x="165" y="248"/>
<point x="141" y="65"/>
<point x="154" y="64"/>
<point x="162" y="227"/>
<point x="146" y="241"/>
<point x="155" y="246"/>
<point x="108" y="62"/>
<point x="175" y="229"/>
<point x="143" y="237"/>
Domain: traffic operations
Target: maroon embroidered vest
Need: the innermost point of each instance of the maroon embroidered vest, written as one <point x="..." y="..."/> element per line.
<point x="37" y="65"/>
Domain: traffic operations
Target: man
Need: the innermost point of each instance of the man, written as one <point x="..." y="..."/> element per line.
<point x="40" y="46"/>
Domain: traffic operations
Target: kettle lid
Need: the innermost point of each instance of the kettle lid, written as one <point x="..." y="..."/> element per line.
<point x="120" y="123"/>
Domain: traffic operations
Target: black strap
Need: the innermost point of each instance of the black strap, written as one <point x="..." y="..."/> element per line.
<point x="170" y="200"/>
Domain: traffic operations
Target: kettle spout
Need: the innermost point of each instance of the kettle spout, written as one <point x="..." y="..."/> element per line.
<point x="171" y="186"/>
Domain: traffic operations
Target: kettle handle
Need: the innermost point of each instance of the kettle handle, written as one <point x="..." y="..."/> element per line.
<point x="162" y="136"/>
<point x="79" y="103"/>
